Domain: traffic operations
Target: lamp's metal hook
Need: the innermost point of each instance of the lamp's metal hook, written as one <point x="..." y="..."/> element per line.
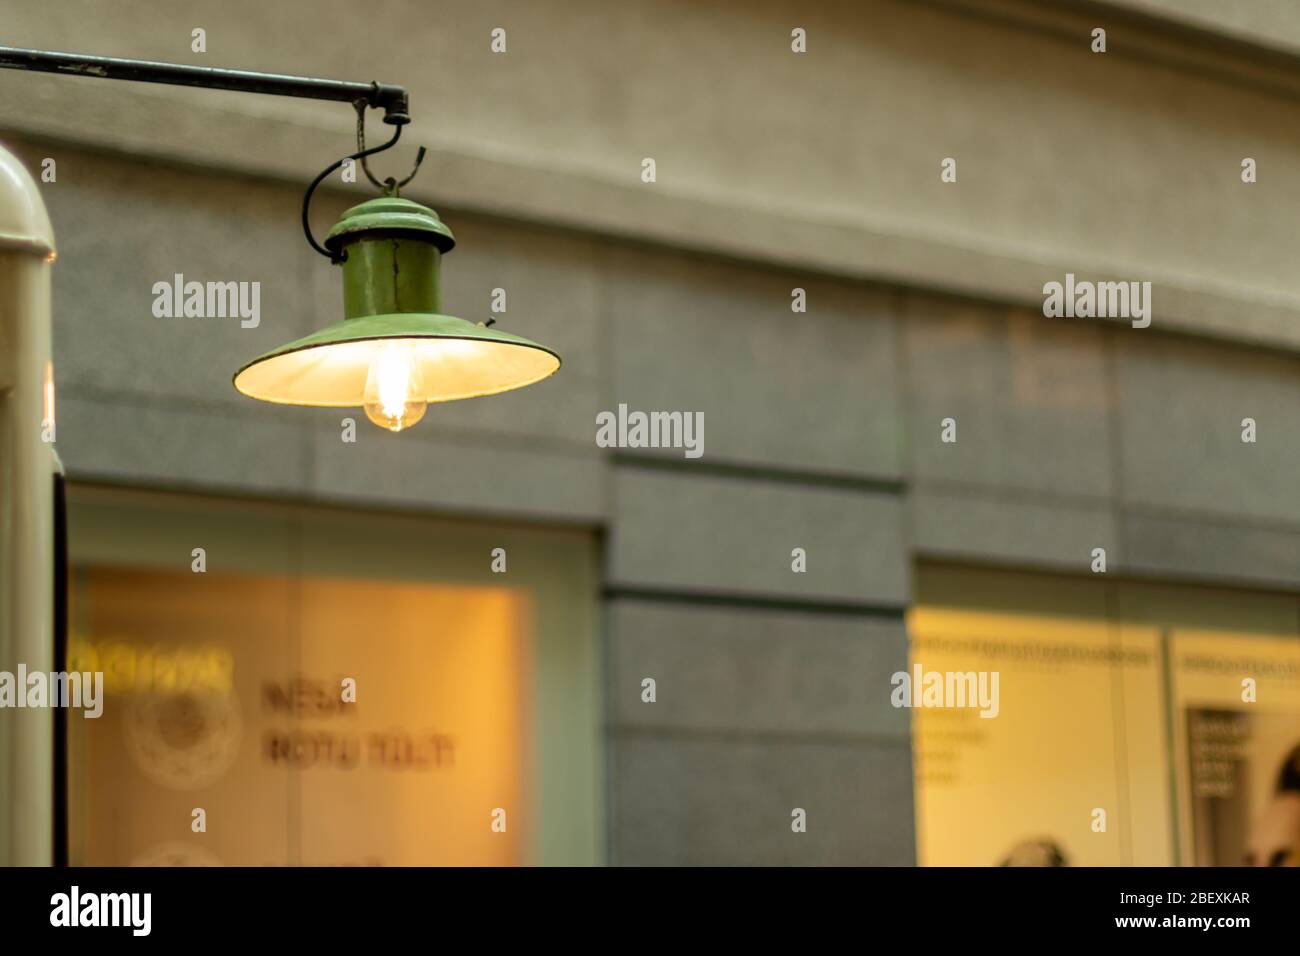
<point x="360" y="107"/>
<point x="390" y="186"/>
<point x="360" y="154"/>
<point x="395" y="186"/>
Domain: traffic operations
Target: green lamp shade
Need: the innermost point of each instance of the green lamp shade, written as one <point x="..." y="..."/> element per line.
<point x="454" y="358"/>
<point x="394" y="351"/>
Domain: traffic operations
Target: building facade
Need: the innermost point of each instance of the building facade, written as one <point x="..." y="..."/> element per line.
<point x="841" y="263"/>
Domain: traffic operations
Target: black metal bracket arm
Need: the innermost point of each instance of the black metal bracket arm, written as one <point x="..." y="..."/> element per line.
<point x="392" y="100"/>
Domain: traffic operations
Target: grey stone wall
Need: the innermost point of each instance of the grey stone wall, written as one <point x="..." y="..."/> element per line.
<point x="1120" y="165"/>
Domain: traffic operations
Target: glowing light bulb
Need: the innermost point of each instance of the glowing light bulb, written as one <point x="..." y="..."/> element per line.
<point x="394" y="396"/>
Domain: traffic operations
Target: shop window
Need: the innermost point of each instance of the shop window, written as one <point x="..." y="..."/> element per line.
<point x="327" y="689"/>
<point x="1135" y="724"/>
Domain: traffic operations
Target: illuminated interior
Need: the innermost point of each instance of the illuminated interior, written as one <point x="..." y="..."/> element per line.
<point x="1126" y="734"/>
<point x="329" y="689"/>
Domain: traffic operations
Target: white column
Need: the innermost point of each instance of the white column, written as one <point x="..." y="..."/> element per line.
<point x="26" y="514"/>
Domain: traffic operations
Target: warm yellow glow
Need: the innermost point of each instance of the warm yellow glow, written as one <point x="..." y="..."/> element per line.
<point x="394" y="397"/>
<point x="197" y="695"/>
<point x="448" y="368"/>
<point x="990" y="789"/>
<point x="48" y="420"/>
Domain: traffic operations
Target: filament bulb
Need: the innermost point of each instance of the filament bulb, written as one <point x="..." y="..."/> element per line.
<point x="394" y="396"/>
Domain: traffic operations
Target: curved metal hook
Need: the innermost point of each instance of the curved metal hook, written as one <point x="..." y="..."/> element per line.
<point x="390" y="186"/>
<point x="360" y="107"/>
<point x="306" y="199"/>
<point x="397" y="187"/>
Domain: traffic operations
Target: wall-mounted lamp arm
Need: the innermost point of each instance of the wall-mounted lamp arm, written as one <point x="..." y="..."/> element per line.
<point x="392" y="100"/>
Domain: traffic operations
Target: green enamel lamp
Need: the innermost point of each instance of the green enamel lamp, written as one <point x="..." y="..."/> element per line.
<point x="394" y="352"/>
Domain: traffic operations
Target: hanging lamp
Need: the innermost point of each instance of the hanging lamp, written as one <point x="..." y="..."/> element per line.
<point x="394" y="352"/>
